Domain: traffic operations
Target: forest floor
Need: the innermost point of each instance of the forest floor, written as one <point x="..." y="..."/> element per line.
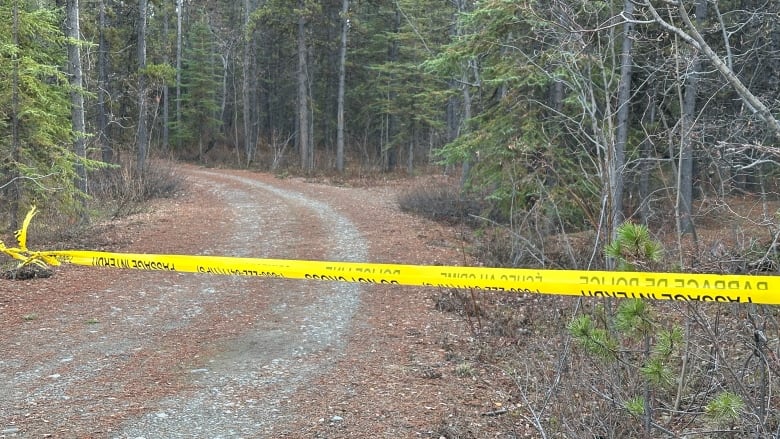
<point x="106" y="353"/>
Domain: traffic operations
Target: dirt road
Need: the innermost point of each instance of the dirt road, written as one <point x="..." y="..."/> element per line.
<point x="127" y="354"/>
<point x="296" y="328"/>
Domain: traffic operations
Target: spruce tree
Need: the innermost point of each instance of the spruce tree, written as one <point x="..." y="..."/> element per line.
<point x="37" y="163"/>
<point x="200" y="84"/>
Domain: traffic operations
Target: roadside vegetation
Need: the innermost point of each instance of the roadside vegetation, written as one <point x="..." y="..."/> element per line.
<point x="575" y="367"/>
<point x="115" y="192"/>
<point x="120" y="191"/>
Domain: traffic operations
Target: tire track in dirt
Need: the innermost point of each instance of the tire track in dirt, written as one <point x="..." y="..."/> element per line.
<point x="240" y="391"/>
<point x="119" y="354"/>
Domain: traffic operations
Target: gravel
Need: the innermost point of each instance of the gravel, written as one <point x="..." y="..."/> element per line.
<point x="168" y="355"/>
<point x="241" y="391"/>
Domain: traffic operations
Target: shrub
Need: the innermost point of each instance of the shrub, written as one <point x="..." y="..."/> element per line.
<point x="126" y="190"/>
<point x="441" y="203"/>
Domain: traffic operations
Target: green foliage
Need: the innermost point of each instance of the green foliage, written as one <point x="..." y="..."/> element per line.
<point x="160" y="73"/>
<point x="633" y="247"/>
<point x="725" y="409"/>
<point x="667" y="342"/>
<point x="283" y="13"/>
<point x="632" y="319"/>
<point x="514" y="141"/>
<point x="657" y="372"/>
<point x="200" y="78"/>
<point x="633" y="316"/>
<point x="635" y="406"/>
<point x="277" y="14"/>
<point x="397" y="89"/>
<point x="633" y="322"/>
<point x="596" y="341"/>
<point x="42" y="160"/>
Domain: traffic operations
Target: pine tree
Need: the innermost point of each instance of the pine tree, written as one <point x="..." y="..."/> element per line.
<point x="406" y="102"/>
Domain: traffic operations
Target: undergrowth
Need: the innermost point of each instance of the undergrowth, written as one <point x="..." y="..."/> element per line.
<point x="122" y="190"/>
<point x="443" y="203"/>
<point x="616" y="368"/>
<point x="112" y="193"/>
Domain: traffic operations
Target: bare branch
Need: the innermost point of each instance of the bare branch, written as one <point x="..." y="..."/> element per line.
<point x="742" y="147"/>
<point x="696" y="40"/>
<point x="32" y="179"/>
<point x="670" y="27"/>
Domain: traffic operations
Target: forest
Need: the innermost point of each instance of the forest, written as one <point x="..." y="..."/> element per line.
<point x="629" y="125"/>
<point x="591" y="112"/>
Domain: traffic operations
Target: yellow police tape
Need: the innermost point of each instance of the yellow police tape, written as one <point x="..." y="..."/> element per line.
<point x="658" y="286"/>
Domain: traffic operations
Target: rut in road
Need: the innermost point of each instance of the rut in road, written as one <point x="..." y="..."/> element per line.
<point x="139" y="354"/>
<point x="241" y="391"/>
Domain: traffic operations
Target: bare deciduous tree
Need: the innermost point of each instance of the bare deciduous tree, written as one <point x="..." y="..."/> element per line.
<point x="691" y="35"/>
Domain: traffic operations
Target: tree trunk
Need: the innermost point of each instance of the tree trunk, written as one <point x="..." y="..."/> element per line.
<point x="685" y="171"/>
<point x="165" y="88"/>
<point x="410" y="157"/>
<point x="305" y="149"/>
<point x="225" y="57"/>
<point x="390" y="151"/>
<point x="179" y="12"/>
<point x="76" y="96"/>
<point x="466" y="168"/>
<point x="13" y="189"/>
<point x="340" y="98"/>
<point x="143" y="136"/>
<point x="617" y="159"/>
<point x="456" y="124"/>
<point x="107" y="152"/>
<point x="645" y="157"/>
<point x="246" y="95"/>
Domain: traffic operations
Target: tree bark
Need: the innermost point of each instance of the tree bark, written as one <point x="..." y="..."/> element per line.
<point x="471" y="66"/>
<point x="340" y="98"/>
<point x="143" y="136"/>
<point x="225" y="57"/>
<point x="617" y="159"/>
<point x="165" y="87"/>
<point x="107" y="152"/>
<point x="76" y="96"/>
<point x="179" y="12"/>
<point x="305" y="148"/>
<point x="466" y="167"/>
<point x="13" y="190"/>
<point x="246" y="94"/>
<point x="685" y="171"/>
<point x="645" y="156"/>
<point x="390" y="151"/>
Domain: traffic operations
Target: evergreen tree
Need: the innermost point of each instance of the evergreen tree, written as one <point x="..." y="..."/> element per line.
<point x="200" y="83"/>
<point x="509" y="65"/>
<point x="37" y="162"/>
<point x="406" y="102"/>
